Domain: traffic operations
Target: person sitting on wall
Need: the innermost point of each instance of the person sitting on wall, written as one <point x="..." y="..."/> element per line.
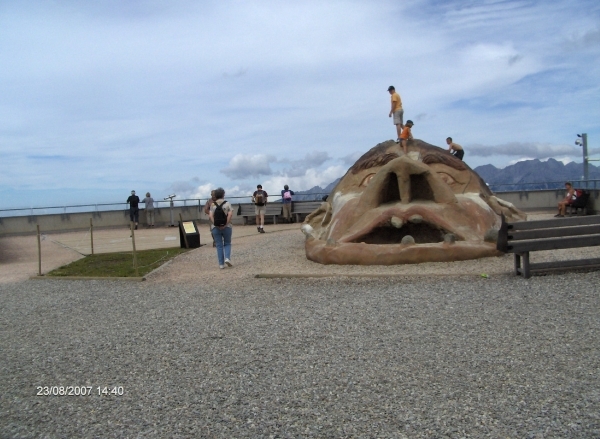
<point x="570" y="196"/>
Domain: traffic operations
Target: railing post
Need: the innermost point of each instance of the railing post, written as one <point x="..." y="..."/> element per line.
<point x="39" y="250"/>
<point x="92" y="235"/>
<point x="135" y="262"/>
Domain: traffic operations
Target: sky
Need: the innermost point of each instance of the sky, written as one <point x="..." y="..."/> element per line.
<point x="101" y="97"/>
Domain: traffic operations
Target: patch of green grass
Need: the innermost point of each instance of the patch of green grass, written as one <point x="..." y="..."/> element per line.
<point x="118" y="264"/>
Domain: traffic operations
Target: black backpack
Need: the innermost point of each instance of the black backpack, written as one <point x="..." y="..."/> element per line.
<point x="260" y="198"/>
<point x="219" y="215"/>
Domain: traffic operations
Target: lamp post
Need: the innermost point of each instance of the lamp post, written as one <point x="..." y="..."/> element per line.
<point x="582" y="140"/>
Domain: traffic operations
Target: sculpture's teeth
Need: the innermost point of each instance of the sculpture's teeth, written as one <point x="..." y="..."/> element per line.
<point x="407" y="240"/>
<point x="416" y="219"/>
<point x="307" y="230"/>
<point x="450" y="238"/>
<point x="491" y="235"/>
<point x="397" y="222"/>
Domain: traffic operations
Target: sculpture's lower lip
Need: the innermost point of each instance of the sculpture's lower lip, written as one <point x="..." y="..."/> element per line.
<point x="391" y="254"/>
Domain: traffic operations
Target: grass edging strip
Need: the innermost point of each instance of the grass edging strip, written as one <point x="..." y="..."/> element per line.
<point x="116" y="265"/>
<point x="365" y="275"/>
<point x="130" y="278"/>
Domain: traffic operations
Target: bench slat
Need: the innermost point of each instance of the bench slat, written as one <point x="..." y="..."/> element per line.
<point x="306" y="207"/>
<point x="579" y="263"/>
<point x="552" y="233"/>
<point x="556" y="222"/>
<point x="553" y="243"/>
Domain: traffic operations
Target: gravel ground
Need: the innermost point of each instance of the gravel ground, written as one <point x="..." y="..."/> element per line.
<point x="326" y="358"/>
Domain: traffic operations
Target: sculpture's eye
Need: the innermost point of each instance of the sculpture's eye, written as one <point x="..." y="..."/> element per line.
<point x="367" y="179"/>
<point x="448" y="179"/>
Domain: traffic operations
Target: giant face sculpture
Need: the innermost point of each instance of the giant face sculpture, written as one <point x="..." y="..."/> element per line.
<point x="392" y="208"/>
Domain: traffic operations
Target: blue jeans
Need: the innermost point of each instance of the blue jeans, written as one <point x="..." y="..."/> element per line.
<point x="223" y="241"/>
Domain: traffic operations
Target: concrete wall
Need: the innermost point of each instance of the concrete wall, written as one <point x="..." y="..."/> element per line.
<point x="545" y="199"/>
<point x="527" y="201"/>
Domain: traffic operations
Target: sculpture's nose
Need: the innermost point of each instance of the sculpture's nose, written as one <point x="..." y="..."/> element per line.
<point x="405" y="180"/>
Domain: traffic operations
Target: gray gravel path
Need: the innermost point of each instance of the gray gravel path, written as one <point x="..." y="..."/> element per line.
<point x="446" y="357"/>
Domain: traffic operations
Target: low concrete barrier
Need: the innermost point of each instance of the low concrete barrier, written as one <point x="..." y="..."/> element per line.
<point x="544" y="199"/>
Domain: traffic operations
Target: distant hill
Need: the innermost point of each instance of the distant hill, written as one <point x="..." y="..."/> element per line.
<point x="315" y="193"/>
<point x="549" y="174"/>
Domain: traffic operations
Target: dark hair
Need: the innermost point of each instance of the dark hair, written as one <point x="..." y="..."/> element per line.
<point x="569" y="183"/>
<point x="259" y="186"/>
<point x="286" y="187"/>
<point x="219" y="193"/>
<point x="449" y="138"/>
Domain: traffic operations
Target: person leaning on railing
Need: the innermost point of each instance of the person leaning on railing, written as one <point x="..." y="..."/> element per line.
<point x="149" y="209"/>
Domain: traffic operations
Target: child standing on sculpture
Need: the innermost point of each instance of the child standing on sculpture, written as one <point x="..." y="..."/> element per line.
<point x="406" y="135"/>
<point x="455" y="149"/>
<point x="396" y="111"/>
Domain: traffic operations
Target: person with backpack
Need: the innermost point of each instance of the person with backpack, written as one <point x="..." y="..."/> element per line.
<point x="207" y="210"/>
<point x="259" y="198"/>
<point x="220" y="215"/>
<point x="286" y="199"/>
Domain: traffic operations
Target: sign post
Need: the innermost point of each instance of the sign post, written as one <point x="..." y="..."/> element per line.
<point x="189" y="235"/>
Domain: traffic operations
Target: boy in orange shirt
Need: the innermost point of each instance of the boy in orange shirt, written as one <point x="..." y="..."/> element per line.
<point x="406" y="134"/>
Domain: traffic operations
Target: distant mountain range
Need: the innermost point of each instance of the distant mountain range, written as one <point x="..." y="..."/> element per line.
<point x="315" y="193"/>
<point x="534" y="174"/>
<point x="527" y="174"/>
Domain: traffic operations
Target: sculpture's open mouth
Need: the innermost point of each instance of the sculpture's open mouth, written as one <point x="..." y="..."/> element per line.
<point x="422" y="233"/>
<point x="395" y="224"/>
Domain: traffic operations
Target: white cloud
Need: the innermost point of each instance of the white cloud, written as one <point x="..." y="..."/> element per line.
<point x="142" y="95"/>
<point x="243" y="166"/>
<point x="310" y="179"/>
<point x="526" y="151"/>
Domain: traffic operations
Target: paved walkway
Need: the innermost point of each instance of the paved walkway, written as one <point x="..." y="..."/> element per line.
<point x="19" y="254"/>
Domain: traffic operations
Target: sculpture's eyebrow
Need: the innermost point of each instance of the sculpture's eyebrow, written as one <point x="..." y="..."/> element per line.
<point x="444" y="159"/>
<point x="373" y="160"/>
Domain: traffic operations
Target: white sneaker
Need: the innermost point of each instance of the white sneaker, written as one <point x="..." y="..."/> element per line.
<point x="228" y="262"/>
<point x="221" y="266"/>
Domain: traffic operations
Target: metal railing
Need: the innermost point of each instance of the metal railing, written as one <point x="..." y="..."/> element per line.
<point x="105" y="207"/>
<point x="298" y="197"/>
<point x="538" y="186"/>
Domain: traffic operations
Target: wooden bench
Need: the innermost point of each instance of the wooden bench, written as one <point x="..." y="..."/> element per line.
<point x="304" y="208"/>
<point x="580" y="203"/>
<point x="521" y="238"/>
<point x="247" y="210"/>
